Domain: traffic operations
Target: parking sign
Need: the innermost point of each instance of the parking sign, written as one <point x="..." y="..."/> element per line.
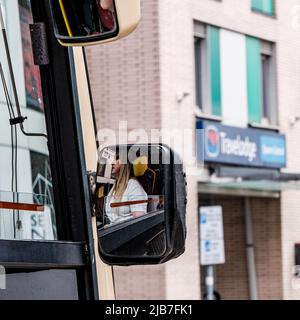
<point x="211" y="236"/>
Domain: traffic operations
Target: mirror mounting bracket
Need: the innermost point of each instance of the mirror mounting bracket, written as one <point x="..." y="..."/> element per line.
<point x="39" y="44"/>
<point x="92" y="191"/>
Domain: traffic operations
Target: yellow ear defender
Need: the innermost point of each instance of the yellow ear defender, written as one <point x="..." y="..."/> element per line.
<point x="140" y="166"/>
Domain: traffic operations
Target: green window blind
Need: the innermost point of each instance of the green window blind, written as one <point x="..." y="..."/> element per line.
<point x="265" y="6"/>
<point x="254" y="80"/>
<point x="215" y="72"/>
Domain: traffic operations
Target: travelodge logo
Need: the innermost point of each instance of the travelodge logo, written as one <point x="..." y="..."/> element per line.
<point x="212" y="141"/>
<point x="241" y="146"/>
<point x="221" y="143"/>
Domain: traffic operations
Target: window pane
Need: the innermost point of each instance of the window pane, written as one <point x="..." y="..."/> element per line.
<point x="254" y="80"/>
<point x="265" y="83"/>
<point x="24" y="161"/>
<point x="215" y="73"/>
<point x="197" y="48"/>
<point x="265" y="6"/>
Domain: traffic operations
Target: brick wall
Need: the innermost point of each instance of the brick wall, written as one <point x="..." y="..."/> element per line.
<point x="268" y="239"/>
<point x="290" y="227"/>
<point x="140" y="283"/>
<point x="232" y="277"/>
<point x="125" y="76"/>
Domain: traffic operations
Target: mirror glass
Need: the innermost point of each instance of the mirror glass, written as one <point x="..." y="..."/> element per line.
<point x="131" y="201"/>
<point x="84" y="19"/>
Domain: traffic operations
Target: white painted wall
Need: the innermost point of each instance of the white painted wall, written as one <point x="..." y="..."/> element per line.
<point x="233" y="78"/>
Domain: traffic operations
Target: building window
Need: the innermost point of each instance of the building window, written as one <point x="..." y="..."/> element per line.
<point x="261" y="74"/>
<point x="263" y="6"/>
<point x="265" y="70"/>
<point x="199" y="55"/>
<point x="214" y="69"/>
<point x="198" y="71"/>
<point x="24" y="162"/>
<point x="207" y="68"/>
<point x="235" y="77"/>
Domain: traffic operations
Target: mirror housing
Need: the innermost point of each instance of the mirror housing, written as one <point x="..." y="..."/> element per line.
<point x="157" y="235"/>
<point x="127" y="15"/>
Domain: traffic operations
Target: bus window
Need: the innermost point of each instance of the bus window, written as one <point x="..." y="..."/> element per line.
<point x="26" y="193"/>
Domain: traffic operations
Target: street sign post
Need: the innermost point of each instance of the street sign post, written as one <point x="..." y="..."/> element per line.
<point x="212" y="249"/>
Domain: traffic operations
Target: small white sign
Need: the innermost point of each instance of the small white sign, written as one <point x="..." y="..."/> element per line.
<point x="212" y="252"/>
<point x="108" y="154"/>
<point x="211" y="223"/>
<point x="211" y="236"/>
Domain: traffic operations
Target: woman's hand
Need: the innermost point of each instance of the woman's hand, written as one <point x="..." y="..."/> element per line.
<point x="107" y="4"/>
<point x="137" y="214"/>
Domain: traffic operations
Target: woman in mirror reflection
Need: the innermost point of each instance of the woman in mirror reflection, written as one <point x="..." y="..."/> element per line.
<point x="125" y="190"/>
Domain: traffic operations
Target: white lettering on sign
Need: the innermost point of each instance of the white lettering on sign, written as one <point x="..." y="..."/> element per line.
<point x="41" y="225"/>
<point x="274" y="151"/>
<point x="238" y="147"/>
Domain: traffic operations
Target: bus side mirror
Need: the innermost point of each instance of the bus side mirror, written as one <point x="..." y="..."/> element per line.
<point x="141" y="204"/>
<point x="91" y="22"/>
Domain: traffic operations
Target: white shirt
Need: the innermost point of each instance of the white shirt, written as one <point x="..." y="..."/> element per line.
<point x="133" y="192"/>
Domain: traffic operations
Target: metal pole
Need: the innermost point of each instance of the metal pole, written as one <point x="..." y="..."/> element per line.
<point x="252" y="278"/>
<point x="209" y="282"/>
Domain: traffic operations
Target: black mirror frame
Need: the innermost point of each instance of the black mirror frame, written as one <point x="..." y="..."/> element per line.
<point x="170" y="207"/>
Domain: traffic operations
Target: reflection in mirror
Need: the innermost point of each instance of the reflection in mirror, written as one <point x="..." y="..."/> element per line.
<point x="83" y="18"/>
<point x="130" y="195"/>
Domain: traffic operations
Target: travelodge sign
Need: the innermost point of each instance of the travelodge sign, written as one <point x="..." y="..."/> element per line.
<point x="217" y="143"/>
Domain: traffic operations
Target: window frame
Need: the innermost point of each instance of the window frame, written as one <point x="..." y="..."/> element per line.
<point x="202" y="76"/>
<point x="198" y="43"/>
<point x="265" y="72"/>
<point x="269" y="114"/>
<point x="262" y="12"/>
<point x="268" y="87"/>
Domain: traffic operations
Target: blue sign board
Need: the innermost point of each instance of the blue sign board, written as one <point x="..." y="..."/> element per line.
<point x="217" y="143"/>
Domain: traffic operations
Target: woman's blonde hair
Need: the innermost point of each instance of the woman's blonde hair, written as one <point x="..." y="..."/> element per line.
<point x="125" y="174"/>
